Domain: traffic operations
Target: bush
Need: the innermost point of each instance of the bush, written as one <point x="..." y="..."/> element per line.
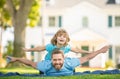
<point x="8" y="49"/>
<point x="109" y="64"/>
<point x="118" y="66"/>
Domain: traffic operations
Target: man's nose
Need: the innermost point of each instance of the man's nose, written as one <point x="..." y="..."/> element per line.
<point x="57" y="61"/>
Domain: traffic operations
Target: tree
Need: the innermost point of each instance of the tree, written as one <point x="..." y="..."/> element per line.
<point x="19" y="12"/>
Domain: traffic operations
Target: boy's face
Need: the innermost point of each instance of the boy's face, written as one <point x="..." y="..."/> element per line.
<point x="61" y="39"/>
<point x="57" y="61"/>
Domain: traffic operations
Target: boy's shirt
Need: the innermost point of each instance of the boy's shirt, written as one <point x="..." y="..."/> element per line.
<point x="51" y="47"/>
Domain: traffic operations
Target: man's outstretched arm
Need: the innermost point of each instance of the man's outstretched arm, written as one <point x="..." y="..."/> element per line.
<point x="95" y="53"/>
<point x="24" y="61"/>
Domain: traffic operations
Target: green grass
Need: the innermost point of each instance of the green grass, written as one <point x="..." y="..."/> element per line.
<point x="115" y="76"/>
<point x="20" y="70"/>
<point x="33" y="71"/>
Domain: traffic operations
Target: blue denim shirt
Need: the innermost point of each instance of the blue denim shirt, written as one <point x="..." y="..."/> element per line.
<point x="67" y="68"/>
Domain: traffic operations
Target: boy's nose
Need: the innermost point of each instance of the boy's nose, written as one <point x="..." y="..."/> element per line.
<point x="61" y="36"/>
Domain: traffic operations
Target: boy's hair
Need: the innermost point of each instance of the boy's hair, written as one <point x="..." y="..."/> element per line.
<point x="60" y="32"/>
<point x="57" y="51"/>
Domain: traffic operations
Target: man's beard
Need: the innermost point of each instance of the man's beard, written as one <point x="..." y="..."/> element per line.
<point x="58" y="66"/>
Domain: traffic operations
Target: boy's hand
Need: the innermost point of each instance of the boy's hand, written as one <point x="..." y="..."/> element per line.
<point x="25" y="49"/>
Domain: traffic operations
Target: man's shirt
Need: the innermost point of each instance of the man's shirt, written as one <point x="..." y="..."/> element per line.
<point x="67" y="68"/>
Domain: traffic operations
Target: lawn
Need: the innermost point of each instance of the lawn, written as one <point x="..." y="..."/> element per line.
<point x="115" y="76"/>
<point x="20" y="70"/>
<point x="33" y="71"/>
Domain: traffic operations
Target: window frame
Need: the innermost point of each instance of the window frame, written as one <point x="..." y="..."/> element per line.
<point x="85" y="22"/>
<point x="54" y="24"/>
<point x="113" y="20"/>
<point x="117" y="21"/>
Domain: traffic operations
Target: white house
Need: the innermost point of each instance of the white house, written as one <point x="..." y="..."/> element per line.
<point x="90" y="23"/>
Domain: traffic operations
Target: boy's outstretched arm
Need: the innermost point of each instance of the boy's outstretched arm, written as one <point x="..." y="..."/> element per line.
<point x="77" y="50"/>
<point x="38" y="49"/>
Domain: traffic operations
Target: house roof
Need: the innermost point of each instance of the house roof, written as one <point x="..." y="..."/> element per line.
<point x="87" y="34"/>
<point x="62" y="4"/>
<point x="89" y="37"/>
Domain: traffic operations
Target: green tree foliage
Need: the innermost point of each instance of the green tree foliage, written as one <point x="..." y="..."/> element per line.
<point x="8" y="49"/>
<point x="34" y="14"/>
<point x="4" y="15"/>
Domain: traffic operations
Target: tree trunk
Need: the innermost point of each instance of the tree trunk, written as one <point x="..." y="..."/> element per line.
<point x="19" y="35"/>
<point x="19" y="18"/>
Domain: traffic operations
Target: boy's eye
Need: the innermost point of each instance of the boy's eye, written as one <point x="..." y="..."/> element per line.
<point x="64" y="36"/>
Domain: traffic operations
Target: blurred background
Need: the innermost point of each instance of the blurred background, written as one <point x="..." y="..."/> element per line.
<point x="91" y="24"/>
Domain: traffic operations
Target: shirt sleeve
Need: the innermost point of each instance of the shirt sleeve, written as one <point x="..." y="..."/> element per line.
<point x="73" y="62"/>
<point x="43" y="65"/>
<point x="49" y="47"/>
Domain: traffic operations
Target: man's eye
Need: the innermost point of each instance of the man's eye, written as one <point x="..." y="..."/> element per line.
<point x="54" y="59"/>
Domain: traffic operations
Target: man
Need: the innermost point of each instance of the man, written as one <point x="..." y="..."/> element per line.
<point x="58" y="65"/>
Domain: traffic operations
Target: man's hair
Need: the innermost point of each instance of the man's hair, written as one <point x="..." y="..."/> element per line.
<point x="60" y="32"/>
<point x="57" y="51"/>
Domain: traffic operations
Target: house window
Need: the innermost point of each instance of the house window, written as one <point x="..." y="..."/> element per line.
<point x="117" y="49"/>
<point x="113" y="21"/>
<point x="85" y="21"/>
<point x="40" y="22"/>
<point x="52" y="21"/>
<point x="117" y="1"/>
<point x="87" y="49"/>
<point x="117" y="54"/>
<point x="111" y="2"/>
<point x="117" y="21"/>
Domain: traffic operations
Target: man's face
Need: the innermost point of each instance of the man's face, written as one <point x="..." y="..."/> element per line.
<point x="57" y="61"/>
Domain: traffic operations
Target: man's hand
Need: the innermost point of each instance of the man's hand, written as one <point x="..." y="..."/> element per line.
<point x="10" y="59"/>
<point x="104" y="49"/>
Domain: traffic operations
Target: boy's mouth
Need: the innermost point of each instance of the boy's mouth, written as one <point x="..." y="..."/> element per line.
<point x="62" y="40"/>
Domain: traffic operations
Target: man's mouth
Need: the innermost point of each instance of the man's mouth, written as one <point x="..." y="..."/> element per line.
<point x="58" y="65"/>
